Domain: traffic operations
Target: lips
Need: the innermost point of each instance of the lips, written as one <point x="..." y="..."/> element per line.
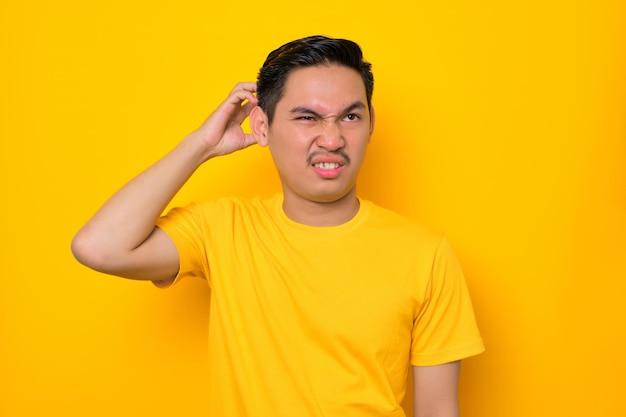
<point x="327" y="165"/>
<point x="328" y="168"/>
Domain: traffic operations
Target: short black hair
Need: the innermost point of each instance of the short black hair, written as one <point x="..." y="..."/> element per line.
<point x="308" y="52"/>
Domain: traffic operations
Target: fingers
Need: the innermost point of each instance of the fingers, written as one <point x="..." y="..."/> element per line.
<point x="248" y="86"/>
<point x="244" y="98"/>
<point x="222" y="131"/>
<point x="236" y="107"/>
<point x="247" y="108"/>
<point x="242" y="92"/>
<point x="249" y="139"/>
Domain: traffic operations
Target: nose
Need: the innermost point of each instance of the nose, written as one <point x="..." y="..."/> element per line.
<point x="331" y="137"/>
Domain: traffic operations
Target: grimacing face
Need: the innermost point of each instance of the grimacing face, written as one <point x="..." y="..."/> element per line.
<point x="320" y="131"/>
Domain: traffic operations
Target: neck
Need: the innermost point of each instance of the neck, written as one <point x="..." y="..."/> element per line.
<point x="321" y="213"/>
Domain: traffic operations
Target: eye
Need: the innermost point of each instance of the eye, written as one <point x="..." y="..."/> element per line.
<point x="306" y="118"/>
<point x="351" y="117"/>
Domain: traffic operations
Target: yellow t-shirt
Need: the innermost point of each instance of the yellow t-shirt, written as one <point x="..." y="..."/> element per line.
<point x="320" y="321"/>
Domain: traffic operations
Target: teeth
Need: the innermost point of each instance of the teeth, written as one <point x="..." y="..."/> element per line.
<point x="327" y="165"/>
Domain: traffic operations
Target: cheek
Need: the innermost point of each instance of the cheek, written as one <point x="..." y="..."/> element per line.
<point x="290" y="141"/>
<point x="287" y="154"/>
<point x="360" y="141"/>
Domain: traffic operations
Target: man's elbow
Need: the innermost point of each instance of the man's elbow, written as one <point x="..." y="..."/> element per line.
<point x="90" y="253"/>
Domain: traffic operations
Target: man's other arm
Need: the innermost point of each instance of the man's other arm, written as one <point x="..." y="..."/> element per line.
<point x="435" y="390"/>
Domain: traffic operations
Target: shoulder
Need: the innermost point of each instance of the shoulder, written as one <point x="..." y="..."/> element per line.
<point x="228" y="207"/>
<point x="400" y="227"/>
<point x="220" y="218"/>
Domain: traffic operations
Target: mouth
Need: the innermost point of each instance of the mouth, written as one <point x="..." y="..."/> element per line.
<point x="327" y="165"/>
<point x="328" y="170"/>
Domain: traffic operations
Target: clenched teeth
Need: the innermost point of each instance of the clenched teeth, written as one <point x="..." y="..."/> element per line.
<point x="327" y="165"/>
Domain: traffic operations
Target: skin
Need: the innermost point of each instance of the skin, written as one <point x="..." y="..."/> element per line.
<point x="435" y="392"/>
<point x="121" y="238"/>
<point x="322" y="118"/>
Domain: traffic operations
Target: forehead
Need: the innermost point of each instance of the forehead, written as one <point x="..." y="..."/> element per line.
<point x="323" y="87"/>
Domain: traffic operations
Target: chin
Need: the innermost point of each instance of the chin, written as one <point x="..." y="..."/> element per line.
<point x="332" y="197"/>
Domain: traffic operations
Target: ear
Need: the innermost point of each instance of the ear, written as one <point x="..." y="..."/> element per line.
<point x="372" y="120"/>
<point x="259" y="125"/>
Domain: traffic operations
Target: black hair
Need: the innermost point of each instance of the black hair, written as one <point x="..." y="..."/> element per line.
<point x="308" y="52"/>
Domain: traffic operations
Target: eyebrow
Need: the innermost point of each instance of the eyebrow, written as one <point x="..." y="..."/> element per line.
<point x="305" y="110"/>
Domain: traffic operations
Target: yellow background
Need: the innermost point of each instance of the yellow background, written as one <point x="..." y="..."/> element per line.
<point x="499" y="123"/>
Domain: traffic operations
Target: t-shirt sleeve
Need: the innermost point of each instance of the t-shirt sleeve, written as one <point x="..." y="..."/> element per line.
<point x="445" y="328"/>
<point x="184" y="226"/>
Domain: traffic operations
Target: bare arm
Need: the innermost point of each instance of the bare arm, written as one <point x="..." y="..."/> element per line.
<point x="121" y="238"/>
<point x="435" y="390"/>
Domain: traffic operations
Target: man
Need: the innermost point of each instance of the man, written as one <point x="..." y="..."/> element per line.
<point x="320" y="301"/>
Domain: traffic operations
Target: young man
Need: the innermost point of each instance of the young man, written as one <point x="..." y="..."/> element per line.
<point x="320" y="301"/>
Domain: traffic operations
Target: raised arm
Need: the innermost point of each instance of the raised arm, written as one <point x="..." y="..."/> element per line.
<point x="121" y="238"/>
<point x="435" y="390"/>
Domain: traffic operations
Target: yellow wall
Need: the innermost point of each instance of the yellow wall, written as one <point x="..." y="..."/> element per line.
<point x="500" y="123"/>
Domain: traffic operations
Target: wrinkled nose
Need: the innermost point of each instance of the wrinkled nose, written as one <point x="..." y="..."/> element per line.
<point x="330" y="137"/>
